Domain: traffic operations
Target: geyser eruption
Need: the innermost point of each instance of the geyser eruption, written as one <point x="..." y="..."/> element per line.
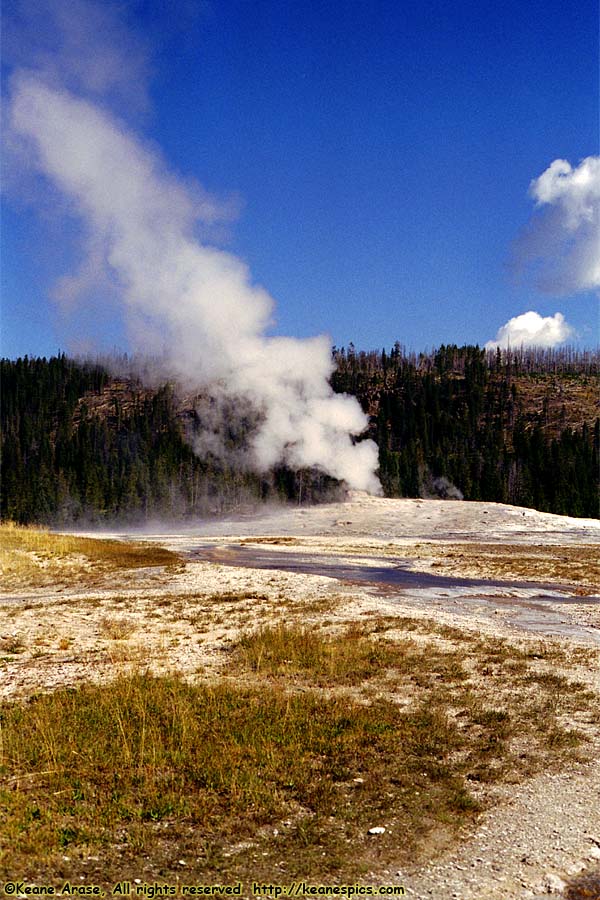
<point x="191" y="304"/>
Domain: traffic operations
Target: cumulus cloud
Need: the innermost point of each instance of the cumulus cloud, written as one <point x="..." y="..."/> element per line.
<point x="532" y="330"/>
<point x="562" y="244"/>
<point x="190" y="303"/>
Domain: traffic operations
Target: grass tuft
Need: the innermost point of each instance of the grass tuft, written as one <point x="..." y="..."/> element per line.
<point x="283" y="651"/>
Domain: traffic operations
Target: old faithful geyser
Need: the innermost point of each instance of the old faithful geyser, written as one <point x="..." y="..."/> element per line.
<point x="192" y="304"/>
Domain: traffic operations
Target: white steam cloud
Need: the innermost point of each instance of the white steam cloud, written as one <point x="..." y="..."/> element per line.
<point x="190" y="303"/>
<point x="562" y="243"/>
<point x="532" y="330"/>
<point x="79" y="45"/>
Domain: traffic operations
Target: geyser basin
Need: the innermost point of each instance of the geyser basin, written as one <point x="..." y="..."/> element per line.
<point x="525" y="604"/>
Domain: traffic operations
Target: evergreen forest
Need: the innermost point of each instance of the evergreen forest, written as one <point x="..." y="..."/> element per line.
<point x="80" y="444"/>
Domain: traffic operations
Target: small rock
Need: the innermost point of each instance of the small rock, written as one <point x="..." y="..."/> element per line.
<point x="377" y="829"/>
<point x="553" y="884"/>
<point x="593" y="853"/>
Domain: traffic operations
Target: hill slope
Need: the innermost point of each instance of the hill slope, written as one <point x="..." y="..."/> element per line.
<point x="521" y="429"/>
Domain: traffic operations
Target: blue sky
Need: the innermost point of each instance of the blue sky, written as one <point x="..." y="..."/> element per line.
<point x="379" y="155"/>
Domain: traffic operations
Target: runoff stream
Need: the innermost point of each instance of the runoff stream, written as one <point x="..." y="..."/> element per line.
<point x="525" y="604"/>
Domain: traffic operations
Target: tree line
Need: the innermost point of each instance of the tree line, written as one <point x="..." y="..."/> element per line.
<point x="78" y="444"/>
<point x="75" y="447"/>
<point x="489" y="423"/>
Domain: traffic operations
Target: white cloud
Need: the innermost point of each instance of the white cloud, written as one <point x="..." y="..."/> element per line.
<point x="562" y="243"/>
<point x="532" y="330"/>
<point x="576" y="191"/>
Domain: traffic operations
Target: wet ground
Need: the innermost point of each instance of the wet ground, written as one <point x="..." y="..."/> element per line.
<point x="523" y="604"/>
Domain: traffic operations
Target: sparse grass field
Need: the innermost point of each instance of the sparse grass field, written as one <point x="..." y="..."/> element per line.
<point x="530" y="562"/>
<point x="578" y="566"/>
<point x="33" y="557"/>
<point x="302" y="716"/>
<point x="277" y="769"/>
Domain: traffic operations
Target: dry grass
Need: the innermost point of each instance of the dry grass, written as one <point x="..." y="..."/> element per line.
<point x="33" y="557"/>
<point x="13" y="643"/>
<point x="515" y="692"/>
<point x="274" y="541"/>
<point x="584" y="887"/>
<point x="117" y="629"/>
<point x="277" y="769"/>
<point x="236" y="597"/>
<point x="347" y="659"/>
<point x="578" y="565"/>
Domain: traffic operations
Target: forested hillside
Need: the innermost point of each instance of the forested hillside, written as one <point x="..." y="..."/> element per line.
<point x="80" y="444"/>
<point x="513" y="427"/>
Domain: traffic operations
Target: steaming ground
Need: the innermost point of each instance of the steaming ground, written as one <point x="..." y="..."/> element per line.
<point x="538" y="830"/>
<point x="367" y="517"/>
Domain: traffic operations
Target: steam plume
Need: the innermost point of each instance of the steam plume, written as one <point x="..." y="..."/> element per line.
<point x="563" y="241"/>
<point x="80" y="45"/>
<point x="532" y="330"/>
<point x="191" y="303"/>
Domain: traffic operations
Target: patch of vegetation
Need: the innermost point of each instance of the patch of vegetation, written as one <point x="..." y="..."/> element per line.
<point x="291" y="651"/>
<point x="117" y="629"/>
<point x="12" y="643"/>
<point x="350" y="658"/>
<point x="110" y="766"/>
<point x="496" y="691"/>
<point x="529" y="562"/>
<point x="281" y="766"/>
<point x="287" y="541"/>
<point x="585" y="886"/>
<point x="235" y="597"/>
<point x="31" y="556"/>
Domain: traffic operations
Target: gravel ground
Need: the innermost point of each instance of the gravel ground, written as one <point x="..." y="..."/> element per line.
<point x="541" y="835"/>
<point x="536" y="839"/>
